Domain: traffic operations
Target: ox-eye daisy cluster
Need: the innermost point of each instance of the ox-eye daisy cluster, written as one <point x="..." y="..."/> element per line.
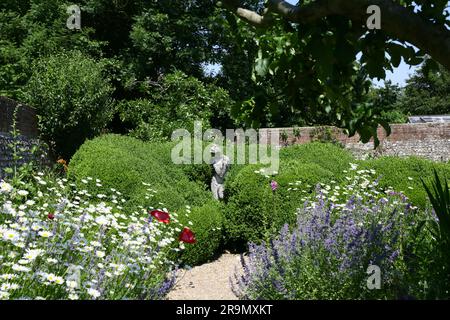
<point x="60" y="242"/>
<point x="359" y="185"/>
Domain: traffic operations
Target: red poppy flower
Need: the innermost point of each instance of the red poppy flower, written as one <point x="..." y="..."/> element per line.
<point x="161" y="216"/>
<point x="187" y="236"/>
<point x="51" y="216"/>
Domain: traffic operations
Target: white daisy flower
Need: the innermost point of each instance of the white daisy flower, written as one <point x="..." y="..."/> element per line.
<point x="22" y="193"/>
<point x="32" y="254"/>
<point x="73" y="296"/>
<point x="45" y="234"/>
<point x="10" y="235"/>
<point x="5" y="187"/>
<point x="93" y="293"/>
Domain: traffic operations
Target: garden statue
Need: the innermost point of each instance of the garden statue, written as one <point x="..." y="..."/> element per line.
<point x="221" y="164"/>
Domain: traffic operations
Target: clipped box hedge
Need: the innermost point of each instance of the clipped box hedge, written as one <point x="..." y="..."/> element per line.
<point x="207" y="223"/>
<point x="404" y="174"/>
<point x="123" y="163"/>
<point x="253" y="210"/>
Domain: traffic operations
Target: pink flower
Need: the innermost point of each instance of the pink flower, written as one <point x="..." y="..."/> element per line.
<point x="274" y="185"/>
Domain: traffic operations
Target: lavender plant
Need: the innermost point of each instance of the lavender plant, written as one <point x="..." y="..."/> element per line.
<point x="327" y="254"/>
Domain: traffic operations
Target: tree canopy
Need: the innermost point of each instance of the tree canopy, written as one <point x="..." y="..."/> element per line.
<point x="316" y="51"/>
<point x="427" y="92"/>
<point x="304" y="64"/>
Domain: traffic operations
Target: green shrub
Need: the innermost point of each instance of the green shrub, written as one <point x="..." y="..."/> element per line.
<point x="246" y="203"/>
<point x="123" y="163"/>
<point x="175" y="103"/>
<point x="199" y="173"/>
<point x="253" y="210"/>
<point x="72" y="99"/>
<point x="326" y="155"/>
<point x="437" y="272"/>
<point x="208" y="228"/>
<point x="236" y="168"/>
<point x="327" y="253"/>
<point x="295" y="181"/>
<point x="403" y="174"/>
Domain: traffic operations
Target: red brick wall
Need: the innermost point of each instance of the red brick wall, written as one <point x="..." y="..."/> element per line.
<point x="400" y="132"/>
<point x="26" y="118"/>
<point x="430" y="140"/>
<point x="27" y="125"/>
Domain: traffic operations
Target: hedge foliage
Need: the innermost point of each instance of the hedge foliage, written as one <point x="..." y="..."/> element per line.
<point x="403" y="174"/>
<point x="207" y="223"/>
<point x="72" y="97"/>
<point x="254" y="210"/>
<point x="123" y="163"/>
<point x="329" y="156"/>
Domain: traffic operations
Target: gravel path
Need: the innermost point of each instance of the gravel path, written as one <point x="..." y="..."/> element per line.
<point x="208" y="281"/>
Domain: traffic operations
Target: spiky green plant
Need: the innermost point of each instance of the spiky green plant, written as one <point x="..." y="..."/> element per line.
<point x="439" y="268"/>
<point x="439" y="195"/>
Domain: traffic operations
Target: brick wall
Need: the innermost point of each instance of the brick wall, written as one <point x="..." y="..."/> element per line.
<point x="26" y="123"/>
<point x="26" y="118"/>
<point x="429" y="140"/>
<point x="6" y="153"/>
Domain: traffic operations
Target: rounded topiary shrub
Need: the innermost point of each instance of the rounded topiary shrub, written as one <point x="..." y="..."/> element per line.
<point x="207" y="224"/>
<point x="124" y="163"/>
<point x="327" y="155"/>
<point x="201" y="173"/>
<point x="297" y="179"/>
<point x="246" y="203"/>
<point x="253" y="210"/>
<point x="404" y="174"/>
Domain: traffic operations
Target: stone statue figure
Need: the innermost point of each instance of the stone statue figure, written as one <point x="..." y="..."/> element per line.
<point x="221" y="164"/>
